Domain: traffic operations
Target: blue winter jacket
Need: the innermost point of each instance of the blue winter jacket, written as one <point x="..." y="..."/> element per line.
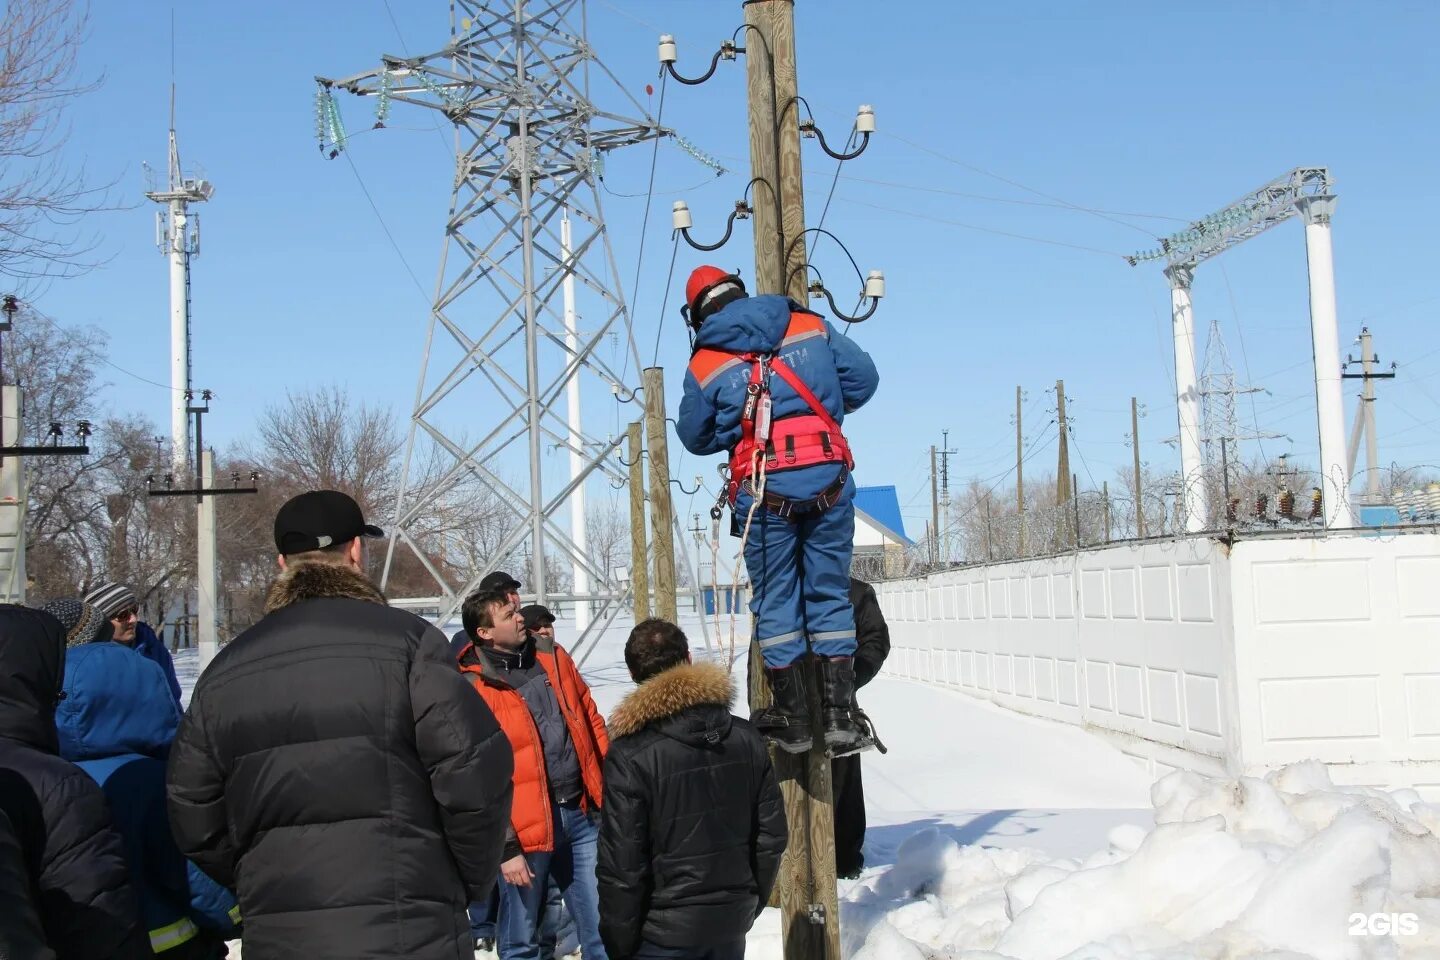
<point x="150" y="646"/>
<point x="116" y="723"/>
<point x="840" y="374"/>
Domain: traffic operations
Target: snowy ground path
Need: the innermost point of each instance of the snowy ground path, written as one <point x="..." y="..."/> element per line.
<point x="996" y="836"/>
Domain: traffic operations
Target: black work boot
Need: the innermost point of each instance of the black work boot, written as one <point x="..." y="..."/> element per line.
<point x="786" y="722"/>
<point x="846" y="728"/>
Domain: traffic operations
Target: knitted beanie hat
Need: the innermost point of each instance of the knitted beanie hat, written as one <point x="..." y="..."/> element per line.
<point x="111" y="598"/>
<point x="83" y="623"/>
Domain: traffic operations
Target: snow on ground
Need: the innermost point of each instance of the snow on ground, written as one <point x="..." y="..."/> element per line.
<point x="995" y="835"/>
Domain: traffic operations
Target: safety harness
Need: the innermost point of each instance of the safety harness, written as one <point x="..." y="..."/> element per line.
<point x="803" y="440"/>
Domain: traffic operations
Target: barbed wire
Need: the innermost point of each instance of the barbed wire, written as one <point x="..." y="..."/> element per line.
<point x="1276" y="500"/>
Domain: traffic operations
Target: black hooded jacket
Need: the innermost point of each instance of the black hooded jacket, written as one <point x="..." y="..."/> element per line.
<point x="337" y="773"/>
<point x="74" y="858"/>
<point x="693" y="825"/>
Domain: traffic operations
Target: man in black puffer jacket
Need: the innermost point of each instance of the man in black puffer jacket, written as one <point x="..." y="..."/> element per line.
<point x="335" y="770"/>
<point x="21" y="934"/>
<point x="693" y="826"/>
<point x="73" y="858"/>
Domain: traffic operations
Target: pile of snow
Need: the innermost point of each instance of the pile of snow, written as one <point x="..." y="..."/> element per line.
<point x="1277" y="868"/>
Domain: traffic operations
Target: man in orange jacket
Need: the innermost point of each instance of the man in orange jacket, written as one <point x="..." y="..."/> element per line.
<point x="559" y="741"/>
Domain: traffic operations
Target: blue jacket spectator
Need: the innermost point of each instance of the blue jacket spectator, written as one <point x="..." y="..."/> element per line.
<point x="120" y="606"/>
<point x="116" y="724"/>
<point x="150" y="646"/>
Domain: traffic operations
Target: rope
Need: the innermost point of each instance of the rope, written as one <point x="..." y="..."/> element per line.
<point x="757" y="469"/>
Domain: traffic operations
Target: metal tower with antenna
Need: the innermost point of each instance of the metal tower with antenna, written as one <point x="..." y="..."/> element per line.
<point x="514" y="80"/>
<point x="177" y="234"/>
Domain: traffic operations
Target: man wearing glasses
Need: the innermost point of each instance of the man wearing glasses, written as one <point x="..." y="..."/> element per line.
<point x="117" y="602"/>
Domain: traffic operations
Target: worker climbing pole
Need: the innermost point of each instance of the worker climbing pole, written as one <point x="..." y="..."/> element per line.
<point x="770" y="383"/>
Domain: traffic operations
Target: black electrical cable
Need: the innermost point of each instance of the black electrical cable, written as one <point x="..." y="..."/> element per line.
<point x="645" y="220"/>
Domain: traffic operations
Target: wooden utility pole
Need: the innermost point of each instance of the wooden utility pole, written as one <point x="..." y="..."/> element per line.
<point x="639" y="552"/>
<point x="805" y="890"/>
<point x="1019" y="471"/>
<point x="934" y="509"/>
<point x="661" y="517"/>
<point x="1135" y="449"/>
<point x="1105" y="492"/>
<point x="1062" y="476"/>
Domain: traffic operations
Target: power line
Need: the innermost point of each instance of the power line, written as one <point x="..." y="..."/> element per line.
<point x="1017" y="184"/>
<point x="980" y="229"/>
<point x="644" y="223"/>
<point x="1244" y="359"/>
<point x="385" y="227"/>
<point x="987" y="198"/>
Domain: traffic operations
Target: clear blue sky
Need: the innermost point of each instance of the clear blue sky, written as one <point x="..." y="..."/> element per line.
<point x="1164" y="110"/>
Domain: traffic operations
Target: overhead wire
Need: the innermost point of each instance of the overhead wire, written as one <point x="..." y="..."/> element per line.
<point x="644" y="224"/>
<point x="1018" y="185"/>
<point x="987" y="198"/>
<point x="980" y="229"/>
<point x="386" y="228"/>
<point x="1000" y="478"/>
<point x="1245" y="359"/>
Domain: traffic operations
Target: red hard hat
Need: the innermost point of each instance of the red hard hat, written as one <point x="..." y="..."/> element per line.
<point x="702" y="281"/>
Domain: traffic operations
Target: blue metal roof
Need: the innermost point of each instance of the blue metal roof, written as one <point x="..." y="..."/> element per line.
<point x="882" y="504"/>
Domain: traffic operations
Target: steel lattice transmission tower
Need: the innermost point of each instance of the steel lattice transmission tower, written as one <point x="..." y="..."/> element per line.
<point x="514" y="80"/>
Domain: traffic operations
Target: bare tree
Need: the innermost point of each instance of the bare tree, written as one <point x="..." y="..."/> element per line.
<point x="87" y="518"/>
<point x="607" y="536"/>
<point x="42" y="196"/>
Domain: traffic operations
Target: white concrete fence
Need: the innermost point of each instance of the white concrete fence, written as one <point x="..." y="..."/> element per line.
<point x="1192" y="654"/>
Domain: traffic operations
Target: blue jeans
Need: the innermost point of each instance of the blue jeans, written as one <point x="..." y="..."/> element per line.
<point x="800" y="578"/>
<point x="734" y="950"/>
<point x="572" y="866"/>
<point x="556" y="929"/>
<point x="482" y="915"/>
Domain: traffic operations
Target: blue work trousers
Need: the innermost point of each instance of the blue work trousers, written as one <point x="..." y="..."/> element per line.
<point x="800" y="579"/>
<point x="572" y="866"/>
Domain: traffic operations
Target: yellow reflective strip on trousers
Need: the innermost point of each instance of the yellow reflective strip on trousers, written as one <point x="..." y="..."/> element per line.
<point x="172" y="935"/>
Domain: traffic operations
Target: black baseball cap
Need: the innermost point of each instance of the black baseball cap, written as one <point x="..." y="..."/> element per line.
<point x="536" y="615"/>
<point x="319" y="519"/>
<point x="498" y="582"/>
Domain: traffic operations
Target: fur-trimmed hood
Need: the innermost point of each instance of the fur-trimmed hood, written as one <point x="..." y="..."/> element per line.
<point x="671" y="692"/>
<point x="313" y="581"/>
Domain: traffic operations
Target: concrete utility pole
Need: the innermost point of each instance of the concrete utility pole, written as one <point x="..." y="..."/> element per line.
<point x="576" y="439"/>
<point x="1062" y="477"/>
<point x="1139" y="485"/>
<point x="1019" y="470"/>
<point x="805" y="890"/>
<point x="1365" y="416"/>
<point x="1187" y="393"/>
<point x="639" y="551"/>
<point x="934" y="509"/>
<point x="207" y="581"/>
<point x="1325" y="336"/>
<point x="204" y="492"/>
<point x="13" y="453"/>
<point x="661" y="519"/>
<point x="12" y="501"/>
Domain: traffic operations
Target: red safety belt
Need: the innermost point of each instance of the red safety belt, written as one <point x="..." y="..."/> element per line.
<point x="793" y="442"/>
